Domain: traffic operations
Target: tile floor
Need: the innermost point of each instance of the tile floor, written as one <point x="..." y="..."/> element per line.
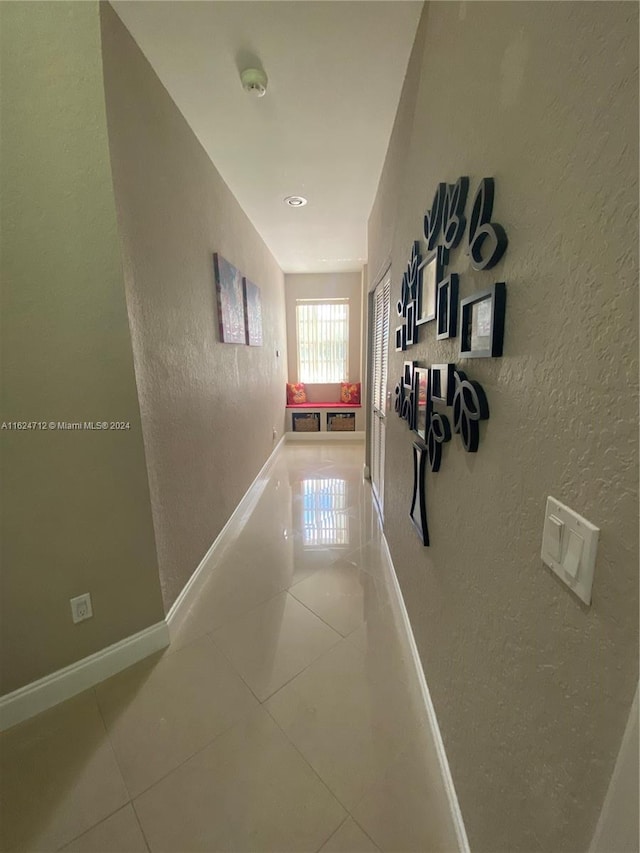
<point x="284" y="716"/>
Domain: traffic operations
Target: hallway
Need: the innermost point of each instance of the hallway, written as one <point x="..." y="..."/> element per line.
<point x="285" y="715"/>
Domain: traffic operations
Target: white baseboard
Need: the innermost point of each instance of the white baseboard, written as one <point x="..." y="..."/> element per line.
<point x="447" y="780"/>
<point x="30" y="700"/>
<point x="33" y="698"/>
<point x="238" y="516"/>
<point x="325" y="436"/>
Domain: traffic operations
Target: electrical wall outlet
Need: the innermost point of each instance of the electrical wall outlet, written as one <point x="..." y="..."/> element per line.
<point x="81" y="607"/>
<point x="274" y="433"/>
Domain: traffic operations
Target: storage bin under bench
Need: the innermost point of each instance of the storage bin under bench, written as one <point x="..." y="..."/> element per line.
<point x="324" y="417"/>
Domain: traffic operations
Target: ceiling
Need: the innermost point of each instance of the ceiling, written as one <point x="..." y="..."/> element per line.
<point x="335" y="70"/>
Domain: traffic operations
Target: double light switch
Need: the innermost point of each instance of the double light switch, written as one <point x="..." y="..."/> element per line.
<point x="569" y="545"/>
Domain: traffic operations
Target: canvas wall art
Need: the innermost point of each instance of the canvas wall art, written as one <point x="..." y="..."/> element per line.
<point x="229" y="291"/>
<point x="253" y="313"/>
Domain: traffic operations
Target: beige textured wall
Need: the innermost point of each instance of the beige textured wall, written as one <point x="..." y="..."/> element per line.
<point x="531" y="688"/>
<point x="76" y="508"/>
<point x="208" y="409"/>
<point x="340" y="285"/>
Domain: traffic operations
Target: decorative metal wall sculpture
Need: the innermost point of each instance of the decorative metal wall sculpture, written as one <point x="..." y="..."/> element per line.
<point x="487" y="240"/>
<point x="418" y="511"/>
<point x="407" y="408"/>
<point x="428" y="293"/>
<point x="433" y="218"/>
<point x="407" y="305"/>
<point x="439" y="433"/>
<point x="454" y="220"/>
<point x="399" y="398"/>
<point x="470" y="405"/>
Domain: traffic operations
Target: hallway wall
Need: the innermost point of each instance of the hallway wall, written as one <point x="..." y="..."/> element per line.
<point x="532" y="689"/>
<point x="76" y="513"/>
<point x="208" y="409"/>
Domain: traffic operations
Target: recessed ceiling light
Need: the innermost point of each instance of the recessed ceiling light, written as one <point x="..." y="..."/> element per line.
<point x="295" y="201"/>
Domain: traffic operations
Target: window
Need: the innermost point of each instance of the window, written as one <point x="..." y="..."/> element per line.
<point x="323" y="340"/>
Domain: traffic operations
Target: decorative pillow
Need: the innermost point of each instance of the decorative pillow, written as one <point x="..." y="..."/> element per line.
<point x="350" y="392"/>
<point x="296" y="393"/>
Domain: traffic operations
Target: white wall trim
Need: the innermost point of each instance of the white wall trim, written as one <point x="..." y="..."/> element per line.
<point x="447" y="779"/>
<point x="33" y="698"/>
<point x="246" y="504"/>
<point x="325" y="436"/>
<point x="54" y="688"/>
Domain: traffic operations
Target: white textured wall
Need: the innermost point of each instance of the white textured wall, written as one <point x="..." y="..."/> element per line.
<point x="532" y="689"/>
<point x="208" y="408"/>
<point x="76" y="512"/>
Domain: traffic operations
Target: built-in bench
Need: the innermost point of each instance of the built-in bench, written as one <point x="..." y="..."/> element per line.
<point x="324" y="416"/>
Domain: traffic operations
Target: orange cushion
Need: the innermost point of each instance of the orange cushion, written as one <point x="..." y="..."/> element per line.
<point x="350" y="392"/>
<point x="296" y="393"/>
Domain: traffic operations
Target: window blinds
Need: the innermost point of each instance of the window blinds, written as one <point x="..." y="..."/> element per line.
<point x="323" y="340"/>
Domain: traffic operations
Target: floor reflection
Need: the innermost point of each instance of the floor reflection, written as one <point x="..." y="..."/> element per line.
<point x="324" y="520"/>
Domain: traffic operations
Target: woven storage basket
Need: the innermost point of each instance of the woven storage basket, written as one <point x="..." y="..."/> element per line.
<point x="342" y="424"/>
<point x="306" y="424"/>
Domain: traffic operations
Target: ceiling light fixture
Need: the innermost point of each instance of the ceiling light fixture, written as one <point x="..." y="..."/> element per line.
<point x="295" y="201"/>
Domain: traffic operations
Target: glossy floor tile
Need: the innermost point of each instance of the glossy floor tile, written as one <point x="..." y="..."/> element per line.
<point x="161" y="711"/>
<point x="349" y="838"/>
<point x="343" y="595"/>
<point x="285" y="715"/>
<point x="250" y="790"/>
<point x="273" y="643"/>
<point x="58" y="777"/>
<point x="119" y="832"/>
<point x="349" y="720"/>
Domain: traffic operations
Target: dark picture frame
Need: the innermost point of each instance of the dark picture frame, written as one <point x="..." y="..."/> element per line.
<point x="401" y="338"/>
<point x="407" y="376"/>
<point x="482" y="322"/>
<point x="418" y="511"/>
<point x="431" y="273"/>
<point x="442" y="385"/>
<point x="411" y="326"/>
<point x="422" y="401"/>
<point x="447" y="308"/>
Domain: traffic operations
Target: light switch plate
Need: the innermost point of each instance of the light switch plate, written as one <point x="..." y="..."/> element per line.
<point x="580" y="581"/>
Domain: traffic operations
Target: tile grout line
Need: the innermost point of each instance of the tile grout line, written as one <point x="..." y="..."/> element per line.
<point x="144" y="834"/>
<point x="92" y="690"/>
<point x="317" y="615"/>
<point x="93" y="826"/>
<point x="315" y="773"/>
<point x="133" y="797"/>
<point x="337" y="829"/>
<point x="326" y="785"/>
<point x="293" y="677"/>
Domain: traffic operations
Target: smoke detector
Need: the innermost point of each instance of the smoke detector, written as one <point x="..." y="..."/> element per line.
<point x="254" y="81"/>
